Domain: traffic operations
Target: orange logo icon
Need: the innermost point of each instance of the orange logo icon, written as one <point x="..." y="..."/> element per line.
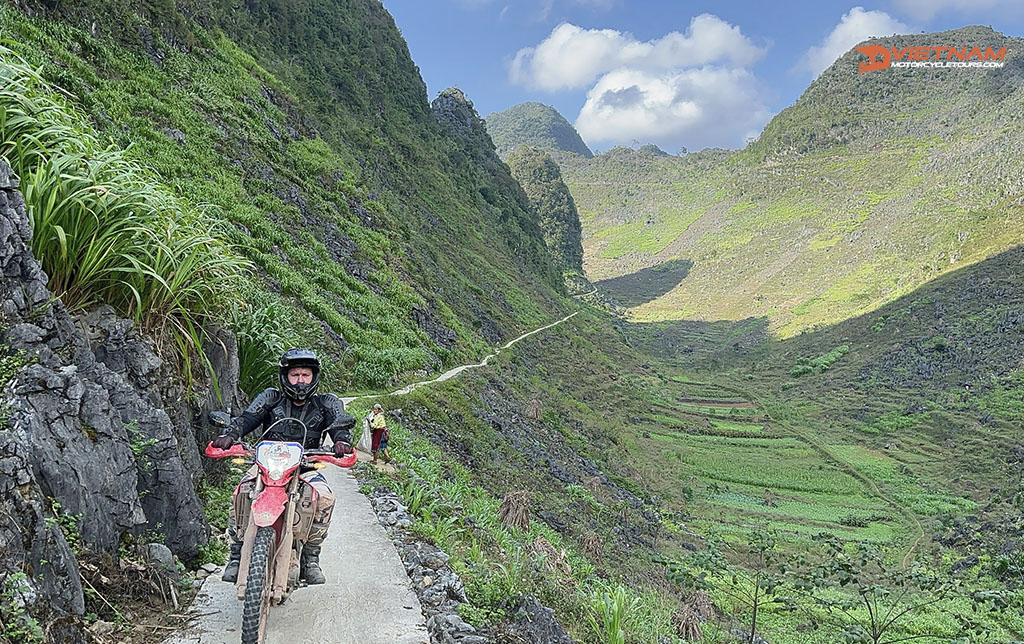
<point x="880" y="58"/>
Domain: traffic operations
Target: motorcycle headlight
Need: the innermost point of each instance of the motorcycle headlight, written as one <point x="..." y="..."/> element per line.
<point x="278" y="458"/>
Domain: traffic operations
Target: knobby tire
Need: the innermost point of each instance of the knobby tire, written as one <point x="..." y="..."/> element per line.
<point x="258" y="588"/>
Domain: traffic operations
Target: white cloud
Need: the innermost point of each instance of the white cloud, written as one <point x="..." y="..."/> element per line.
<point x="602" y="5"/>
<point x="699" y="107"/>
<point x="928" y="9"/>
<point x="572" y="57"/>
<point x="854" y="27"/>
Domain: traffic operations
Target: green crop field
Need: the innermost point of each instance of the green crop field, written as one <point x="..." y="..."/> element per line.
<point x="712" y="410"/>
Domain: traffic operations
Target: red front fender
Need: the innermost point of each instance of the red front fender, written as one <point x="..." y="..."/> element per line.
<point x="269" y="505"/>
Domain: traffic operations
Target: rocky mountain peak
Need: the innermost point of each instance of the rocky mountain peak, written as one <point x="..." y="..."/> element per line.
<point x="537" y="125"/>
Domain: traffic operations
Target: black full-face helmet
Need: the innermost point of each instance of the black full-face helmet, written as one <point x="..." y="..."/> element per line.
<point x="299" y="358"/>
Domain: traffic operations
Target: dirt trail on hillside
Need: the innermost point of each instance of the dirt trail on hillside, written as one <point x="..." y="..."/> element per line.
<point x="451" y="373"/>
<point x="368" y="597"/>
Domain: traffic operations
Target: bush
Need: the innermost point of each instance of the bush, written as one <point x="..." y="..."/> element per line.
<point x="216" y="551"/>
<point x="611" y="609"/>
<point x="104" y="229"/>
<point x="262" y="337"/>
<point x="16" y="625"/>
<point x="800" y="370"/>
<point x="380" y="367"/>
<point x="820" y="364"/>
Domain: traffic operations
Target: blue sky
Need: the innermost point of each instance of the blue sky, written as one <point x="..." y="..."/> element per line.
<point x="694" y="73"/>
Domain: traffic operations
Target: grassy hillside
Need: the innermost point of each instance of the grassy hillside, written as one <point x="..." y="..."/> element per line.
<point x="639" y="442"/>
<point x="386" y="231"/>
<point x="306" y="130"/>
<point x="630" y="460"/>
<point x="869" y="186"/>
<point x="549" y="197"/>
<point x="923" y="393"/>
<point x="536" y="125"/>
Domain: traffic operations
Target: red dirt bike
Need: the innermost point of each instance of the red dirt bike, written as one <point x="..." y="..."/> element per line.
<point x="280" y="514"/>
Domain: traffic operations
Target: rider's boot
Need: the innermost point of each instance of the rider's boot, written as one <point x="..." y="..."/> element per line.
<point x="231" y="568"/>
<point x="310" y="565"/>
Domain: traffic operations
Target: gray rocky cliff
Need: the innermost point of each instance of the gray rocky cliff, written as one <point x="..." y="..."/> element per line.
<point x="94" y="425"/>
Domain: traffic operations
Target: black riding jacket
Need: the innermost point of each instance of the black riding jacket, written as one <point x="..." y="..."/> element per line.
<point x="321" y="412"/>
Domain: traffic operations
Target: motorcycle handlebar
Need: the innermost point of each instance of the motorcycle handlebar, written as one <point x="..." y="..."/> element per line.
<point x="235" y="450"/>
<point x="328" y="457"/>
<point x="238" y="449"/>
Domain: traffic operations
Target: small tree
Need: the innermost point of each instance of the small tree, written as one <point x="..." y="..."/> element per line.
<point x="875" y="600"/>
<point x="751" y="576"/>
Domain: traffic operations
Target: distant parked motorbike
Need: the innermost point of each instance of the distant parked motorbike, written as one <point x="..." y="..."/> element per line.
<point x="280" y="513"/>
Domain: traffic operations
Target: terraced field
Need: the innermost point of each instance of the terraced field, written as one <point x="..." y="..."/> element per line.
<point x="734" y="468"/>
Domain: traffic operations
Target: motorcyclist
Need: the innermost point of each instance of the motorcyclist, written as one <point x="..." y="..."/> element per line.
<point x="299" y="376"/>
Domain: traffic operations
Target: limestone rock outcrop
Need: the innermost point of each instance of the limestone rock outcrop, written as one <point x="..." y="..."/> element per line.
<point x="95" y="427"/>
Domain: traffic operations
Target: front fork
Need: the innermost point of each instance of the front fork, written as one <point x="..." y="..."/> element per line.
<point x="284" y="565"/>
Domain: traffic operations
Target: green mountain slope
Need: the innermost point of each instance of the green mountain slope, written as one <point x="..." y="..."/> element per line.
<point x="542" y="181"/>
<point x="536" y="125"/>
<point x="923" y="395"/>
<point x="898" y="428"/>
<point x="870" y="185"/>
<point x="307" y="129"/>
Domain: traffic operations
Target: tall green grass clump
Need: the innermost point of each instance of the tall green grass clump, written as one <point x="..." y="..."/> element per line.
<point x="610" y="613"/>
<point x="103" y="227"/>
<point x="820" y="364"/>
<point x="261" y="330"/>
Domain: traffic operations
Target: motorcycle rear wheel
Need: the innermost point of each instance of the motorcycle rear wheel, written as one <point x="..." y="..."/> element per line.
<point x="258" y="588"/>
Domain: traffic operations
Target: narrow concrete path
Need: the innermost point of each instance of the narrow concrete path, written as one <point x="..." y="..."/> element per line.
<point x="368" y="598"/>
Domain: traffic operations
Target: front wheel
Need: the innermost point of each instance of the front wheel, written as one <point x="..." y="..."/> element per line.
<point x="258" y="588"/>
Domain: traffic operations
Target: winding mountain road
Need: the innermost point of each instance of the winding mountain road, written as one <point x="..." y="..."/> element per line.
<point x="368" y="597"/>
